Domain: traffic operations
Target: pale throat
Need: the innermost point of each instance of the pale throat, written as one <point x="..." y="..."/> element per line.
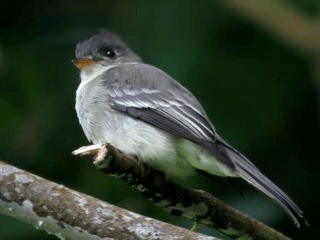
<point x="90" y="73"/>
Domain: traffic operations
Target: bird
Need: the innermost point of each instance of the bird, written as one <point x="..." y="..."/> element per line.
<point x="144" y="112"/>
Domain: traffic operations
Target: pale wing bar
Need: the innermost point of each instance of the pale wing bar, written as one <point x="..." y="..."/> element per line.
<point x="176" y="118"/>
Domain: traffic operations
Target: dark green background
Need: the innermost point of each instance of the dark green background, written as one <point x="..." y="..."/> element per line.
<point x="259" y="92"/>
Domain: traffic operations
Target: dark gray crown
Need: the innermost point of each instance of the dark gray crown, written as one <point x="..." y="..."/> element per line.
<point x="96" y="45"/>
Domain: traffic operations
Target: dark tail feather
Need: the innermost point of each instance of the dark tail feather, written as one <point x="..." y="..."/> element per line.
<point x="253" y="176"/>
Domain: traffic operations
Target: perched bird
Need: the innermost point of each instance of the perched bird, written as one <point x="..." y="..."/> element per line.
<point x="144" y="112"/>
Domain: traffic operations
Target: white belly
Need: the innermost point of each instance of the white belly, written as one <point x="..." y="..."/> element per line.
<point x="151" y="145"/>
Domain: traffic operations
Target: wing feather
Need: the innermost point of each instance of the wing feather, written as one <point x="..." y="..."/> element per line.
<point x="154" y="97"/>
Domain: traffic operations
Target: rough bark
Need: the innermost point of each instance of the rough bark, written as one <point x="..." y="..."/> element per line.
<point x="193" y="204"/>
<point x="72" y="215"/>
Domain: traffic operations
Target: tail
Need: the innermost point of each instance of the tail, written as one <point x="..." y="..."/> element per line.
<point x="252" y="175"/>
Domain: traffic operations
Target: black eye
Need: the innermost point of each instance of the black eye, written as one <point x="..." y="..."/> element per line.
<point x="108" y="52"/>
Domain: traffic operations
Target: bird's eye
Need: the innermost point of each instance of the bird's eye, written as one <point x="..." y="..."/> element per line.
<point x="108" y="52"/>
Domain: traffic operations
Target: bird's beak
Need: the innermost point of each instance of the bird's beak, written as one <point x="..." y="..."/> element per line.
<point x="82" y="63"/>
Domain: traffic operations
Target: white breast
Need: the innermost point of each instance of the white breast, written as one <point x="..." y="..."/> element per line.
<point x="100" y="123"/>
<point x="158" y="148"/>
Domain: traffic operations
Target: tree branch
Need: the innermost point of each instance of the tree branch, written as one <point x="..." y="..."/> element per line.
<point x="193" y="204"/>
<point x="72" y="215"/>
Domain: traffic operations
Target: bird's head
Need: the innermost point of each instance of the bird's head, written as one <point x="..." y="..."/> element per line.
<point x="103" y="50"/>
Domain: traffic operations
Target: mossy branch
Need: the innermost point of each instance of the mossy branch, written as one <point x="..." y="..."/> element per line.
<point x="193" y="204"/>
<point x="73" y="215"/>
